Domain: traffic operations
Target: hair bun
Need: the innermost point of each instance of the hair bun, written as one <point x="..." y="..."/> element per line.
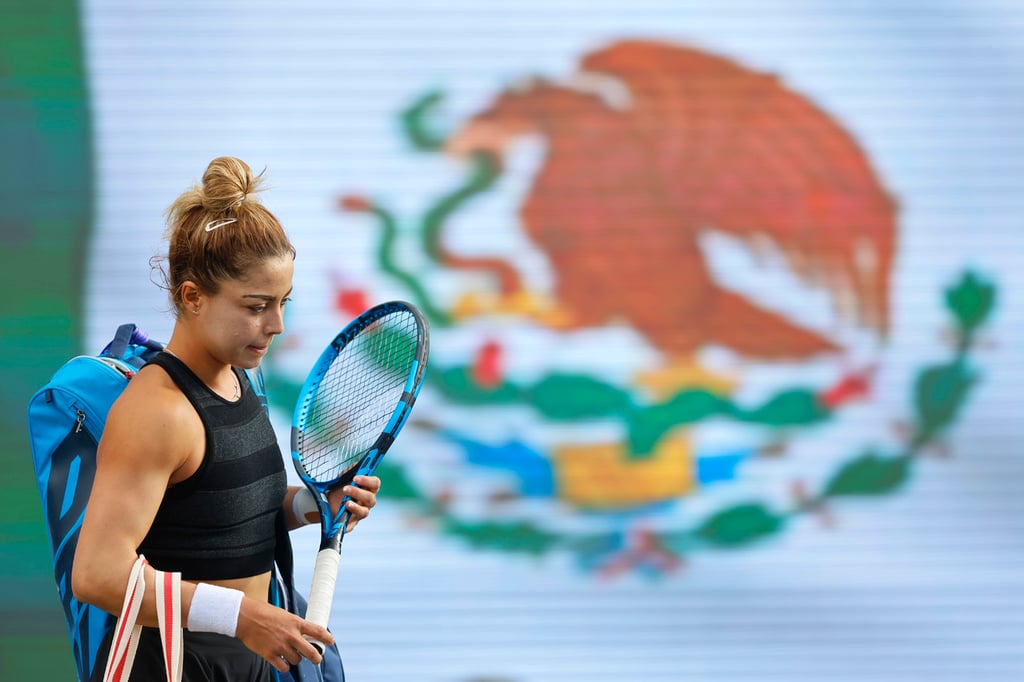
<point x="227" y="184"/>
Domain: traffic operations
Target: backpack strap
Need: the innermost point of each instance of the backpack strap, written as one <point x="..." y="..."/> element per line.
<point x="259" y="386"/>
<point x="130" y="335"/>
<point x="285" y="562"/>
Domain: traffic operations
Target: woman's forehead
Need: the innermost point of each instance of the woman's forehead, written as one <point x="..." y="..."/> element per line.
<point x="272" y="276"/>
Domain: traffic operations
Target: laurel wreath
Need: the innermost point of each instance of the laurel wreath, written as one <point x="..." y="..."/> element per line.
<point x="939" y="394"/>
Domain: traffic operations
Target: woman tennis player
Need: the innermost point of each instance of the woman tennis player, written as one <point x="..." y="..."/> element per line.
<point x="189" y="472"/>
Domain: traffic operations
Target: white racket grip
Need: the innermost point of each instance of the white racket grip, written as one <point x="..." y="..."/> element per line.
<point x="321" y="594"/>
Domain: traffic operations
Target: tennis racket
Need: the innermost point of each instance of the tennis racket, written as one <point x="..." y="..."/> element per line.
<point x="355" y="400"/>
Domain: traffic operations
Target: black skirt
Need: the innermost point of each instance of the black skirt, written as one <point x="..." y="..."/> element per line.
<point x="208" y="657"/>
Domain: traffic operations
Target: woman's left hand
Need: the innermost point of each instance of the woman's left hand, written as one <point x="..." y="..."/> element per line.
<point x="363" y="491"/>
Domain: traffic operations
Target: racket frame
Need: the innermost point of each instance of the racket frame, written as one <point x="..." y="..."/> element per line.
<point x="333" y="526"/>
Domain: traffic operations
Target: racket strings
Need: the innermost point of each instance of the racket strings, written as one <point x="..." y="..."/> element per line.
<point x="357" y="396"/>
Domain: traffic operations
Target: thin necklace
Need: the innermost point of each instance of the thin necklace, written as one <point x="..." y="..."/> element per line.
<point x="238" y="387"/>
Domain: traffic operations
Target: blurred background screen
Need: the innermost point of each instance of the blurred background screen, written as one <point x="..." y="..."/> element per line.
<point x="727" y="333"/>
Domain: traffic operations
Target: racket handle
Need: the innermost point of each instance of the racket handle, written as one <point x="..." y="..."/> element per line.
<point x="321" y="594"/>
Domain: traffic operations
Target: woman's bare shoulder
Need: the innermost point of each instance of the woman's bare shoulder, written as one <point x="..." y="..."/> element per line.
<point x="152" y="414"/>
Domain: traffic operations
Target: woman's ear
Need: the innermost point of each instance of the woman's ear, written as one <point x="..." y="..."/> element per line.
<point x="191" y="297"/>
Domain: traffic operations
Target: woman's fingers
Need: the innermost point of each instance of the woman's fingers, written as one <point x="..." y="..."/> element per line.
<point x="302" y="648"/>
<point x="279" y="663"/>
<point x="368" y="483"/>
<point x="363" y="494"/>
<point x="279" y="636"/>
<point x="317" y="633"/>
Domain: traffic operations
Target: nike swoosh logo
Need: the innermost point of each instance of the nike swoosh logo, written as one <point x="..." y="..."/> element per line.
<point x="214" y="224"/>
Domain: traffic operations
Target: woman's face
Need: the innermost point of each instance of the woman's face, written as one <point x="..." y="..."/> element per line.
<point x="239" y="323"/>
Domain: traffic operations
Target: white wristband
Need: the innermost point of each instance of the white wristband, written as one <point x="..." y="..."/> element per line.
<point x="214" y="609"/>
<point x="304" y="503"/>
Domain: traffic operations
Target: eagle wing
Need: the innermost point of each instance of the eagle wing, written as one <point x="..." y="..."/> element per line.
<point x="740" y="153"/>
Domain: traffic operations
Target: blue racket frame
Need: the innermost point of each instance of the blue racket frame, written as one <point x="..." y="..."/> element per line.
<point x="333" y="531"/>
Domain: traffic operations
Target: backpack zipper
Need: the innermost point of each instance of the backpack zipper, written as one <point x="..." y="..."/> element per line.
<point x="81" y="407"/>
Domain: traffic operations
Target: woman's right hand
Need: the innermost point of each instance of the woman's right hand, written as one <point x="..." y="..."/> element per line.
<point x="277" y="635"/>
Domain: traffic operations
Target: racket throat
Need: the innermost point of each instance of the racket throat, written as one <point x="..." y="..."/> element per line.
<point x="333" y="541"/>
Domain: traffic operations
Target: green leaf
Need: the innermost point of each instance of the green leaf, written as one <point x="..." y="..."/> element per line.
<point x="740" y="525"/>
<point x="792" y="407"/>
<point x="513" y="537"/>
<point x="971" y="301"/>
<point x="567" y="397"/>
<point x="939" y="393"/>
<point x="869" y="474"/>
<point x="647" y="425"/>
<point x="457" y="385"/>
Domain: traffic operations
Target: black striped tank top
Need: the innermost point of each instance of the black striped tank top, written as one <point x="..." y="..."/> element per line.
<point x="219" y="523"/>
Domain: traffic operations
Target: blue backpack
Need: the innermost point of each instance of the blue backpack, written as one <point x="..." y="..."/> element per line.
<point x="65" y="419"/>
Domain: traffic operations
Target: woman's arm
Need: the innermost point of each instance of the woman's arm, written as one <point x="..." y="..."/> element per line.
<point x="151" y="433"/>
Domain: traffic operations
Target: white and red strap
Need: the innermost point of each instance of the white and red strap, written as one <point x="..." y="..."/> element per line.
<point x="168" y="611"/>
<point x="126" y="631"/>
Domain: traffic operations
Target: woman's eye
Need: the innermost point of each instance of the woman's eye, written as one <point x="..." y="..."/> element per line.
<point x="262" y="307"/>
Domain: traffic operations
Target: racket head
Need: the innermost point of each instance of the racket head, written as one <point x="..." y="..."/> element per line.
<point x="356" y="399"/>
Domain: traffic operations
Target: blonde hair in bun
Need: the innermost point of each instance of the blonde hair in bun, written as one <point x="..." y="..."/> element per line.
<point x="218" y="230"/>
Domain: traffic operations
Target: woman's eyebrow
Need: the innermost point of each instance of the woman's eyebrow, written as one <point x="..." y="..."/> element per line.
<point x="265" y="297"/>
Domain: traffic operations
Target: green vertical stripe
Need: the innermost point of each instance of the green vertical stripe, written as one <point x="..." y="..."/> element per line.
<point x="45" y="214"/>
